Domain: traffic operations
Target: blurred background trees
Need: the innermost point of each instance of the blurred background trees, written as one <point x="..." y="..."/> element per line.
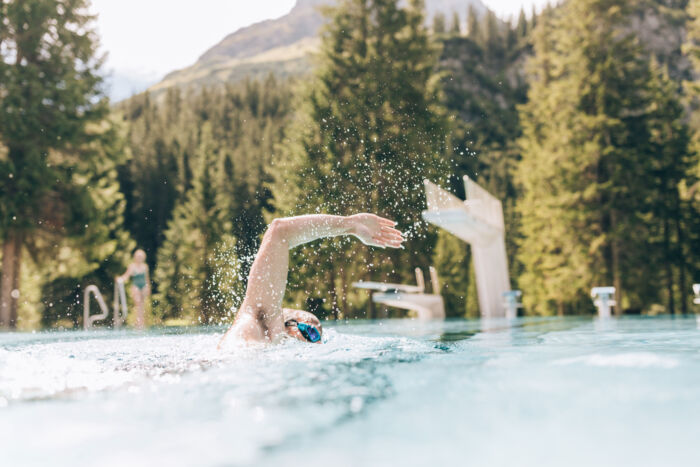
<point x="60" y="205"/>
<point x="583" y="119"/>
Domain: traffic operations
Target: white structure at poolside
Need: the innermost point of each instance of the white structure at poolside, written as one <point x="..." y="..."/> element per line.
<point x="119" y="315"/>
<point x="696" y="290"/>
<point x="479" y="222"/>
<point x="511" y="303"/>
<point x="409" y="297"/>
<point x="603" y="300"/>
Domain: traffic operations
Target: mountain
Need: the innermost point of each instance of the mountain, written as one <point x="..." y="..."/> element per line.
<point x="282" y="46"/>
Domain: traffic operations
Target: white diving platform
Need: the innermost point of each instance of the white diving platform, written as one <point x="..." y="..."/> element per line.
<point x="409" y="297"/>
<point x="479" y="222"/>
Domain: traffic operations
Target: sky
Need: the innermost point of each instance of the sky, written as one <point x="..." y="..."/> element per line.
<point x="146" y="39"/>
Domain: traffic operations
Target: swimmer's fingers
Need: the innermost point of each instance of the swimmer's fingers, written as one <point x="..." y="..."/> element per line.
<point x="386" y="222"/>
<point x="390" y="231"/>
<point x="390" y="240"/>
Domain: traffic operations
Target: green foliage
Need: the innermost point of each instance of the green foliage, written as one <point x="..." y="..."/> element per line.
<point x="227" y="136"/>
<point x="522" y="27"/>
<point x="197" y="266"/>
<point x="600" y="166"/>
<point x="456" y="25"/>
<point x="592" y="149"/>
<point x="49" y="92"/>
<point x="59" y="200"/>
<point x="439" y="24"/>
<point x="472" y="23"/>
<point x="369" y="132"/>
<point x="245" y="122"/>
<point x="482" y="88"/>
<point x="452" y="258"/>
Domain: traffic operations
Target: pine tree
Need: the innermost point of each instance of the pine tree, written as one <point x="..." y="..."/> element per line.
<point x="587" y="171"/>
<point x="691" y="185"/>
<point x="456" y="27"/>
<point x="246" y="121"/>
<point x="439" y="24"/>
<point x="102" y="250"/>
<point x="521" y="28"/>
<point x="370" y="133"/>
<point x="473" y="31"/>
<point x="452" y="259"/>
<point x="50" y="93"/>
<point x="670" y="162"/>
<point x="197" y="267"/>
<point x="493" y="36"/>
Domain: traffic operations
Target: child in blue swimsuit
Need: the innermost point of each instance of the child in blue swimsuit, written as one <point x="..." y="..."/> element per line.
<point x="140" y="285"/>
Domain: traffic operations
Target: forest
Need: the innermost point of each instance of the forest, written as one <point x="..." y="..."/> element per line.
<point x="583" y="118"/>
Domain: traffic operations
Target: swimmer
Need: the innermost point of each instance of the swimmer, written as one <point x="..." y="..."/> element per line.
<point x="261" y="317"/>
<point x="140" y="285"/>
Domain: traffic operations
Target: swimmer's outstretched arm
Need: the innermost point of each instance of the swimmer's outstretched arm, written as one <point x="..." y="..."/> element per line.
<point x="260" y="315"/>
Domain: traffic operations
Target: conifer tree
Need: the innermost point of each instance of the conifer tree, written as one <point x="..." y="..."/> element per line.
<point x="472" y="23"/>
<point x="587" y="170"/>
<point x="456" y="26"/>
<point x="521" y="28"/>
<point x="102" y="250"/>
<point x="452" y="258"/>
<point x="49" y="94"/>
<point x="197" y="267"/>
<point x="670" y="161"/>
<point x="439" y="24"/>
<point x="493" y="37"/>
<point x="371" y="132"/>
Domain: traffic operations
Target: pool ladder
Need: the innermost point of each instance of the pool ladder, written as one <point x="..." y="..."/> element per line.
<point x="119" y="302"/>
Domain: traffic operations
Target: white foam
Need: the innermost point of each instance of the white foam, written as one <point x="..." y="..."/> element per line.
<point x="622" y="360"/>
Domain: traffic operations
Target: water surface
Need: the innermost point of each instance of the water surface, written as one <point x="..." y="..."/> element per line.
<point x="535" y="391"/>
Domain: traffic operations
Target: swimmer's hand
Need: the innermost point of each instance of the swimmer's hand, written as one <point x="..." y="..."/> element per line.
<point x="377" y="231"/>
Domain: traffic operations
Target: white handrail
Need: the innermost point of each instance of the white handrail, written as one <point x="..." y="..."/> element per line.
<point x="119" y="316"/>
<point x="87" y="318"/>
<point x="119" y="296"/>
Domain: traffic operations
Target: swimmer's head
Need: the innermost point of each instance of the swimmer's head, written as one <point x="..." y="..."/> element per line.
<point x="139" y="256"/>
<point x="298" y="316"/>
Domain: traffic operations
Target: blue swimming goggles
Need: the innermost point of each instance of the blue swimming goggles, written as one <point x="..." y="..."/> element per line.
<point x="309" y="332"/>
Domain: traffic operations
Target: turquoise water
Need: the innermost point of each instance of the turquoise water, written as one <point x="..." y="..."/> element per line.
<point x="544" y="392"/>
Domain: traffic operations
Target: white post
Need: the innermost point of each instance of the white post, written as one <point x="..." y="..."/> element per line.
<point x="479" y="222"/>
<point x="511" y="303"/>
<point x="603" y="300"/>
<point x="696" y="289"/>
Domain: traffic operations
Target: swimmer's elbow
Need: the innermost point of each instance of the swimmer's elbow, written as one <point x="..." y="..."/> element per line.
<point x="278" y="231"/>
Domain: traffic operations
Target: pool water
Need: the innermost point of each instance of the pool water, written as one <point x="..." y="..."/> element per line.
<point x="531" y="392"/>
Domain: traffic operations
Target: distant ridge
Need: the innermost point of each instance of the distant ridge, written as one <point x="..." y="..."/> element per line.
<point x="281" y="46"/>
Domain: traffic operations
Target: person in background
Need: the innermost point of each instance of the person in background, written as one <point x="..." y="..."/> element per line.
<point x="140" y="285"/>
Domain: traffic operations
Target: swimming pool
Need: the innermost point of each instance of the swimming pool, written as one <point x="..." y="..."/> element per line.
<point x="535" y="391"/>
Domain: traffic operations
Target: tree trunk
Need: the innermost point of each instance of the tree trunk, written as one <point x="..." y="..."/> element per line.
<point x="344" y="287"/>
<point x="334" y="295"/>
<point x="668" y="267"/>
<point x="9" y="279"/>
<point x="615" y="249"/>
<point x="680" y="238"/>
